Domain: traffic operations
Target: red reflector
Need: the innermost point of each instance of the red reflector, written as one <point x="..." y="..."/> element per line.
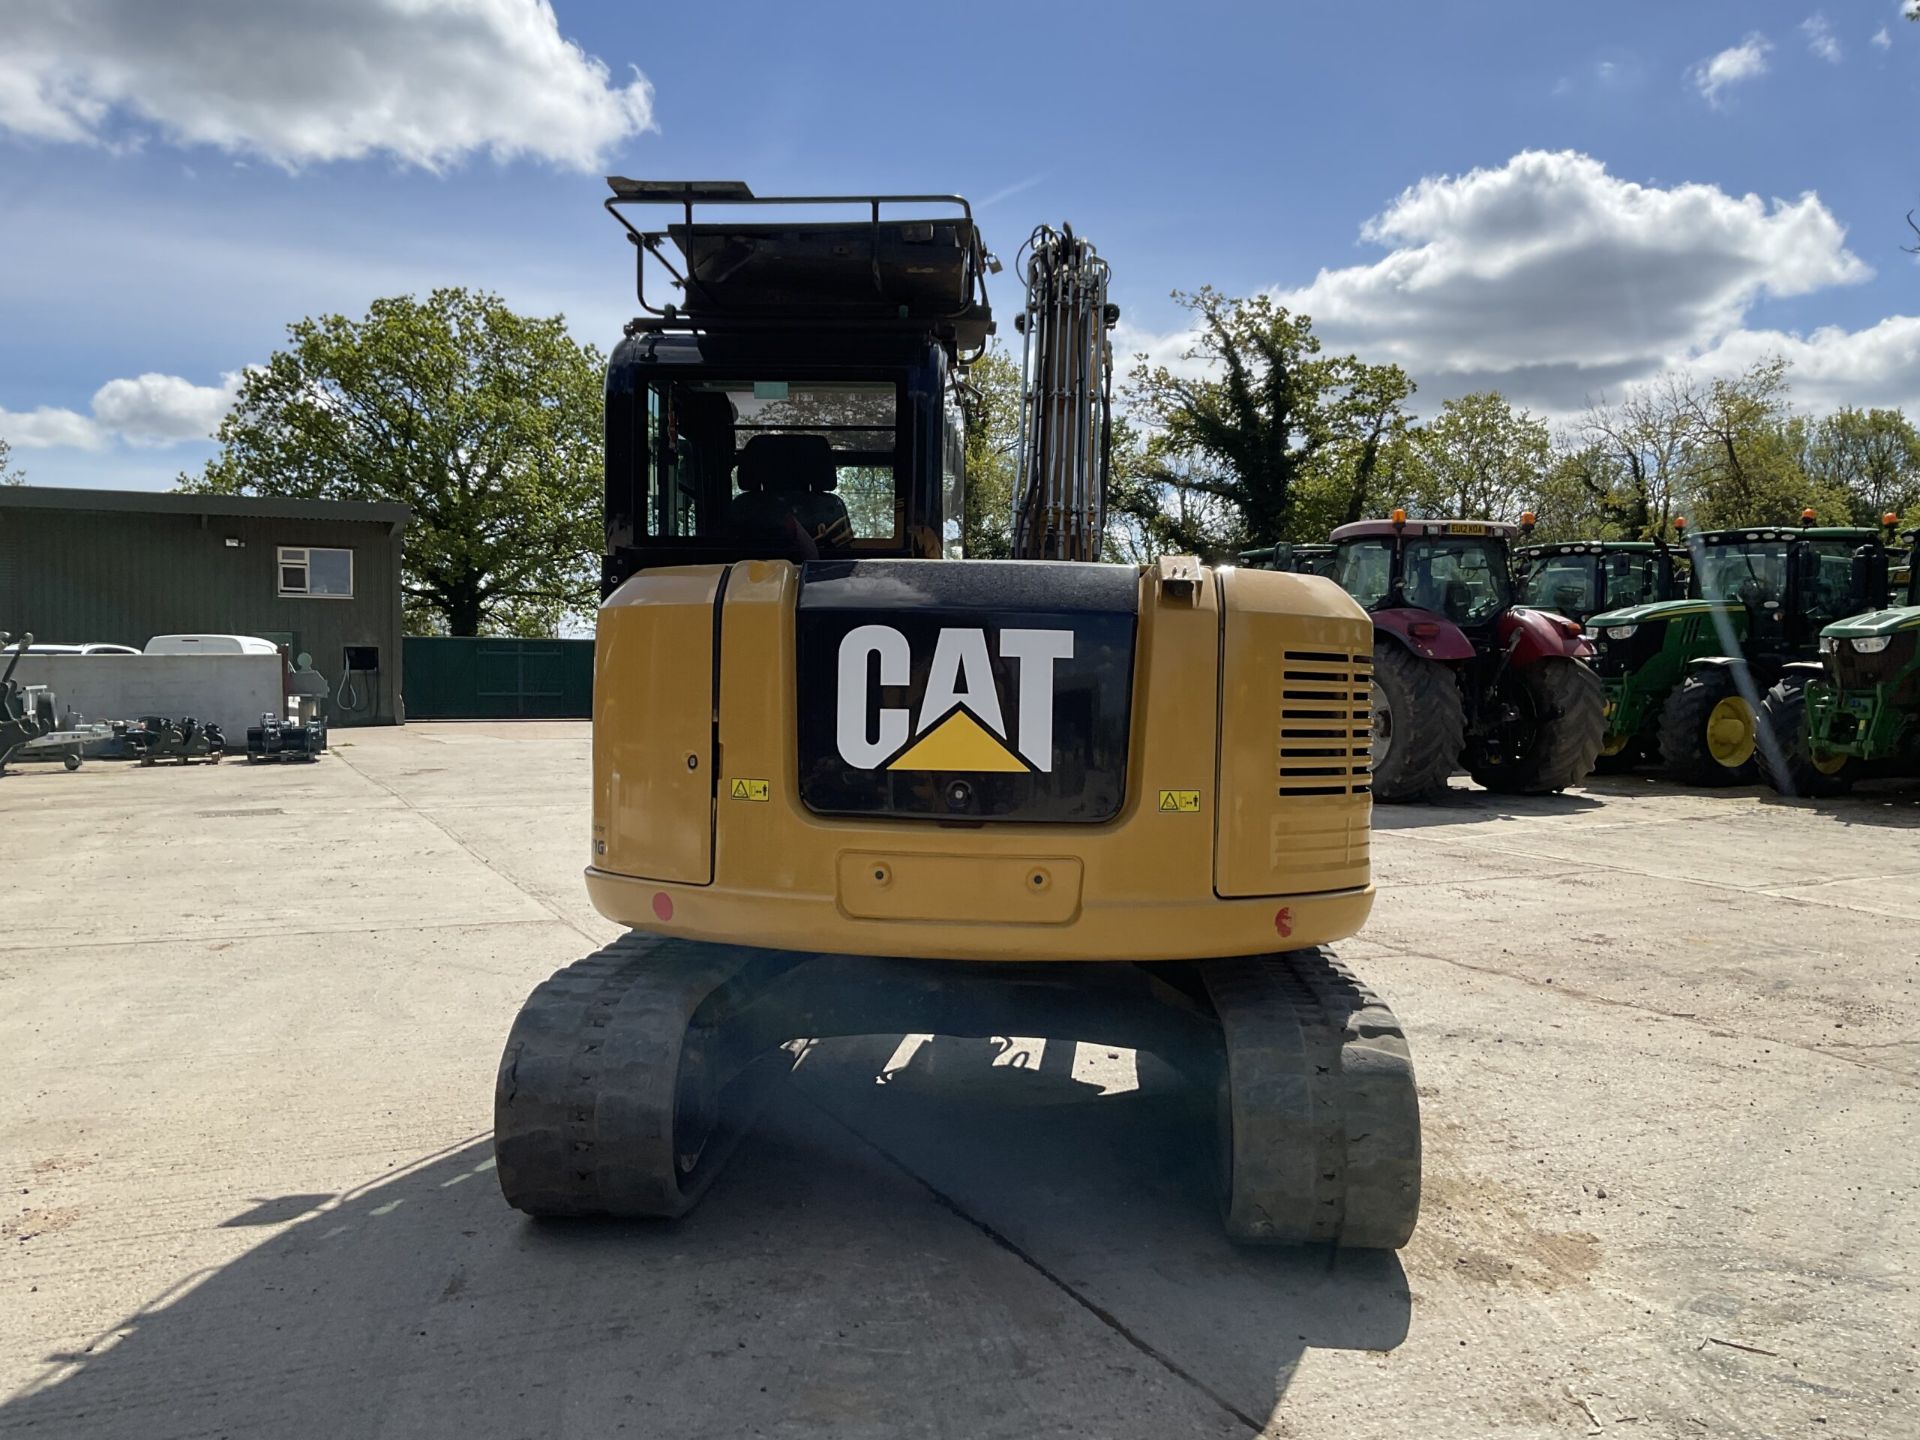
<point x="1283" y="921"/>
<point x="1423" y="629"/>
<point x="662" y="905"/>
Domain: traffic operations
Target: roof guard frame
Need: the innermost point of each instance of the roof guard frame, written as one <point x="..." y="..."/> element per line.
<point x="685" y="195"/>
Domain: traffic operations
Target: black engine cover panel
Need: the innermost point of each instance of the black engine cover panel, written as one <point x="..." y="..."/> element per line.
<point x="965" y="690"/>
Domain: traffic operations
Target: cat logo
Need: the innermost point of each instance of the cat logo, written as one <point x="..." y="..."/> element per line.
<point x="960" y="724"/>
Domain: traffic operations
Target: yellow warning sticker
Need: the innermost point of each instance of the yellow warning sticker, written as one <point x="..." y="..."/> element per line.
<point x="1180" y="802"/>
<point x="751" y="790"/>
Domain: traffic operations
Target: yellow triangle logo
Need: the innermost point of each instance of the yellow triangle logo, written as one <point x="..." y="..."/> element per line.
<point x="959" y="742"/>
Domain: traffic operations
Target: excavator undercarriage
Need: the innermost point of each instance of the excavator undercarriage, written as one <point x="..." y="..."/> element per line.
<point x="847" y="784"/>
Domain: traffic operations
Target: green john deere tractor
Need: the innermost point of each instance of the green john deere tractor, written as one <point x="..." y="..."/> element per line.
<point x="1858" y="707"/>
<point x="1579" y="578"/>
<point x="1684" y="678"/>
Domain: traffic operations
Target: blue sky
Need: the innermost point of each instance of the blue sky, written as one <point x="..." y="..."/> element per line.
<point x="1549" y="199"/>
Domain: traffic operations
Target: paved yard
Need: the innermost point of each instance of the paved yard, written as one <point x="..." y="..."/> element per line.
<point x="1669" y="1049"/>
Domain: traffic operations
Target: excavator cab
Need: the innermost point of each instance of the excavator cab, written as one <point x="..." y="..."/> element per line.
<point x="849" y="783"/>
<point x="800" y="398"/>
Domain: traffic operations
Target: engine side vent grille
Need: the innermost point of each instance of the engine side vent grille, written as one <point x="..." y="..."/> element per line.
<point x="1326" y="723"/>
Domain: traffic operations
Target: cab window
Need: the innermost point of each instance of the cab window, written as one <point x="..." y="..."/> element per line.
<point x="1462" y="579"/>
<point x="1560" y="582"/>
<point x="813" y="464"/>
<point x="1364" y="569"/>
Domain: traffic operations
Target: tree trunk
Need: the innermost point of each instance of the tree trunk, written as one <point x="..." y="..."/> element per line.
<point x="464" y="612"/>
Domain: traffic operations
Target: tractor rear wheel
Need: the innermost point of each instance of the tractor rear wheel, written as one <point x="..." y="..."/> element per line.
<point x="1418" y="726"/>
<point x="1552" y="725"/>
<point x="1709" y="731"/>
<point x="1802" y="770"/>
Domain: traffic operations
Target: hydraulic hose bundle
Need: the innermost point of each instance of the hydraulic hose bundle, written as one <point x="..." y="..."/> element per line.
<point x="1059" y="503"/>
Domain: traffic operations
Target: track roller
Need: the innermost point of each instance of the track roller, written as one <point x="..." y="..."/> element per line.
<point x="1320" y="1124"/>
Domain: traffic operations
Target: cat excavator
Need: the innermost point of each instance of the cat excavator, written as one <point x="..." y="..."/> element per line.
<point x="847" y="782"/>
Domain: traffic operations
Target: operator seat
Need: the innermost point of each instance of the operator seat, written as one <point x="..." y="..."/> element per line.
<point x="760" y="511"/>
<point x="787" y="474"/>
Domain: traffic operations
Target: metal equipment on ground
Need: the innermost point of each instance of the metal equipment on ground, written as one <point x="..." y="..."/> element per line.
<point x="1684" y="678"/>
<point x="1856" y="710"/>
<point x="1462" y="677"/>
<point x="154" y="738"/>
<point x="26" y="712"/>
<point x="279" y="738"/>
<point x="843" y="785"/>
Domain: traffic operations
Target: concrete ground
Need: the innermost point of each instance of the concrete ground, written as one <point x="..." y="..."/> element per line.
<point x="1669" y="1051"/>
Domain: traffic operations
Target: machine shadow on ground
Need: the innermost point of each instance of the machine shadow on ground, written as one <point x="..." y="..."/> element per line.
<point x="1468" y="805"/>
<point x="1013" y="1255"/>
<point x="1884" y="804"/>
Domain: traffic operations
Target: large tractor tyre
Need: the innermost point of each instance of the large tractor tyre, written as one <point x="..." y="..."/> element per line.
<point x="1419" y="726"/>
<point x="1709" y="732"/>
<point x="1800" y="770"/>
<point x="1557" y="724"/>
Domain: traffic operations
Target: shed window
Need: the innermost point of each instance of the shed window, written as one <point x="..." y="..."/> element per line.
<point x="316" y="574"/>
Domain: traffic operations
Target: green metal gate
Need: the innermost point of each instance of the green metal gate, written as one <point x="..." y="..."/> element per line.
<point x="463" y="678"/>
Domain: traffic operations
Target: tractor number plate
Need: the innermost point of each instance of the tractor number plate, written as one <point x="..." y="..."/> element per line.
<point x="1466" y="529"/>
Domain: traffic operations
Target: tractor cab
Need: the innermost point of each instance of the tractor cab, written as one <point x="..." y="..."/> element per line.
<point x="799" y="395"/>
<point x="1457" y="569"/>
<point x="1581" y="578"/>
<point x="1791" y="583"/>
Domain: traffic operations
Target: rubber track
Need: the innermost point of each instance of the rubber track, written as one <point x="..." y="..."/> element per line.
<point x="584" y="1107"/>
<point x="1323" y="1121"/>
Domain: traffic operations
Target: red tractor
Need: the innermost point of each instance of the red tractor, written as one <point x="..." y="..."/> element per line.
<point x="1461" y="676"/>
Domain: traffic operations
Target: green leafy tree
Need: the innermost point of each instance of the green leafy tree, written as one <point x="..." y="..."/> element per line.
<point x="486" y="422"/>
<point x="9" y="474"/>
<point x="1368" y="463"/>
<point x="1873" y="455"/>
<point x="1254" y="423"/>
<point x="1632" y="459"/>
<point x="993" y="453"/>
<point x="1585" y="494"/>
<point x="1481" y="457"/>
<point x="1743" y="455"/>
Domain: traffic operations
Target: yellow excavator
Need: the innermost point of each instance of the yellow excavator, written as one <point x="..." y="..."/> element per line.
<point x="847" y="782"/>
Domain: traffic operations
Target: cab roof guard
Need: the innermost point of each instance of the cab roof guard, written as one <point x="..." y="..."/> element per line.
<point x="875" y="271"/>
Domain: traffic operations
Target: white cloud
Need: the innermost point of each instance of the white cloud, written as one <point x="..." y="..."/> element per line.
<point x="48" y="428"/>
<point x="1556" y="277"/>
<point x="1882" y="40"/>
<point x="1820" y="38"/>
<point x="1745" y="61"/>
<point x="147" y="410"/>
<point x="1831" y="366"/>
<point x="1553" y="281"/>
<point x="159" y="409"/>
<point x="427" y="82"/>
